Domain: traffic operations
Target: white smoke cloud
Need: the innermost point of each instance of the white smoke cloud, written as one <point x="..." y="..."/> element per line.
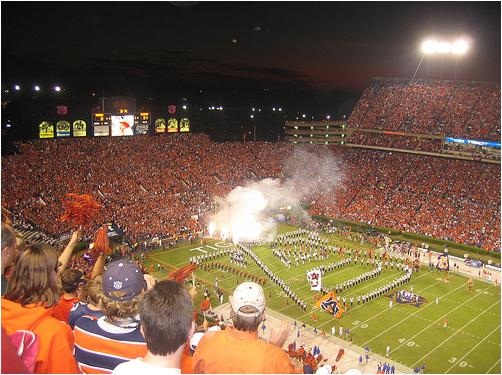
<point x="244" y="214"/>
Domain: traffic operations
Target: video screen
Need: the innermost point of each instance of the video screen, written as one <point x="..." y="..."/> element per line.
<point x="101" y="131"/>
<point x="122" y="125"/>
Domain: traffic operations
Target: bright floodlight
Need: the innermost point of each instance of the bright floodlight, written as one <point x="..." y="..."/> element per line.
<point x="57" y="88"/>
<point x="443" y="47"/>
<point x="37" y="88"/>
<point x="252" y="116"/>
<point x="429" y="47"/>
<point x="17" y="87"/>
<point x="459" y="47"/>
<point x="184" y="106"/>
<point x="280" y="109"/>
<point x="328" y="117"/>
<point x="304" y="115"/>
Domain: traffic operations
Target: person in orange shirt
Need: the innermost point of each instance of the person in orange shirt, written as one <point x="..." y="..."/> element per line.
<point x="28" y="304"/>
<point x="238" y="349"/>
<point x="72" y="282"/>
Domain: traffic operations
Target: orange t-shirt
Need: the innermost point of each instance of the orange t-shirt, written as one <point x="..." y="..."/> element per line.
<point x="55" y="353"/>
<point x="237" y="352"/>
<point x="63" y="308"/>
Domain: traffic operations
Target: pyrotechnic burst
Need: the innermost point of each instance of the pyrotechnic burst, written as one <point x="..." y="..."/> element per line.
<point x="244" y="214"/>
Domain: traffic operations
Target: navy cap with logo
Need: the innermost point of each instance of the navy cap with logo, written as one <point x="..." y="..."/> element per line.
<point x="123" y="280"/>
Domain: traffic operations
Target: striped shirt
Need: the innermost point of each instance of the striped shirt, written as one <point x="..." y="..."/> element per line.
<point x="101" y="346"/>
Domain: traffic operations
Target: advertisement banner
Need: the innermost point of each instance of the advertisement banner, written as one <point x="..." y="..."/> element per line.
<point x="172" y="125"/>
<point x="160" y="125"/>
<point x="46" y="129"/>
<point x="472" y="142"/>
<point x="184" y="125"/>
<point x="79" y="128"/>
<point x="63" y="128"/>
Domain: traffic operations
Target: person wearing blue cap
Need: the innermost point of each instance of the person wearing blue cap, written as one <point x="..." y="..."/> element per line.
<point x="102" y="344"/>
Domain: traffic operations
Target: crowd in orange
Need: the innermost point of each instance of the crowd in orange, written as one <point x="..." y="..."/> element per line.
<point x="451" y="108"/>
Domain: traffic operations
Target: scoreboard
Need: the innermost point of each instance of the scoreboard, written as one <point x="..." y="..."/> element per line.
<point x="101" y="124"/>
<point x="111" y="124"/>
<point x="142" y="122"/>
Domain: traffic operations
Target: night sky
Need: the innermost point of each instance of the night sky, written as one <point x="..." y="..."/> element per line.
<point x="318" y="52"/>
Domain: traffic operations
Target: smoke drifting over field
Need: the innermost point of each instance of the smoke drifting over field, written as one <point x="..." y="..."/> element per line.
<point x="244" y="214"/>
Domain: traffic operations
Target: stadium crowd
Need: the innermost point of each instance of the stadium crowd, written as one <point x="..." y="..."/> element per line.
<point x="162" y="187"/>
<point x="458" y="109"/>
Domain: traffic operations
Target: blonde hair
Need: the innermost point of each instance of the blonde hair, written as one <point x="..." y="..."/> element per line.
<point x="120" y="309"/>
<point x="92" y="292"/>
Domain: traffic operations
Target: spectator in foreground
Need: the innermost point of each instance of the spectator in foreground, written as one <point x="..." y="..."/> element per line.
<point x="90" y="303"/>
<point x="166" y="324"/>
<point x="8" y="252"/>
<point x="72" y="281"/>
<point x="237" y="349"/>
<point x="102" y="344"/>
<point x="28" y="304"/>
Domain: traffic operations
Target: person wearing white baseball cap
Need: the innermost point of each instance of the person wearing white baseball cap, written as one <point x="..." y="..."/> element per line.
<point x="238" y="349"/>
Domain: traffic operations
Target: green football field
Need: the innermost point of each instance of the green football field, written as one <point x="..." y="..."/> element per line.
<point x="470" y="343"/>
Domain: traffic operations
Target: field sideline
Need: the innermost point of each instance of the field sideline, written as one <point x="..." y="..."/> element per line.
<point x="470" y="344"/>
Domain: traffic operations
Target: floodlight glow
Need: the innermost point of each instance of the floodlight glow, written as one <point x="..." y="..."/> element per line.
<point x="17" y="87"/>
<point x="328" y="117"/>
<point x="459" y="47"/>
<point x="280" y="109"/>
<point x="252" y="116"/>
<point x="252" y="109"/>
<point x="57" y="88"/>
<point x="304" y="115"/>
<point x="184" y="106"/>
<point x="443" y="47"/>
<point x="36" y="88"/>
<point x="273" y="109"/>
<point x="429" y="47"/>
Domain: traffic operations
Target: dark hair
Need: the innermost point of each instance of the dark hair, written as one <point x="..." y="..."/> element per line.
<point x="71" y="279"/>
<point x="166" y="313"/>
<point x="34" y="279"/>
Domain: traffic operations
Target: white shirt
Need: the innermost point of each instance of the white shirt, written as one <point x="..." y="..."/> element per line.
<point x="138" y="366"/>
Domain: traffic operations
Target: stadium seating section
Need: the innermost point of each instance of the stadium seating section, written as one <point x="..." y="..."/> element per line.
<point x="457" y="109"/>
<point x="153" y="186"/>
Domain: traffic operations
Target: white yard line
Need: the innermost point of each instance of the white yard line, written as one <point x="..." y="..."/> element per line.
<point x="495" y="364"/>
<point x="465" y="325"/>
<point x="466" y="354"/>
<point x="437" y="320"/>
<point x="409" y="316"/>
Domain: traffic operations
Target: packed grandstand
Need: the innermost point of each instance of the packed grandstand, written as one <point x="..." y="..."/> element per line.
<point x="153" y="187"/>
<point x="165" y="187"/>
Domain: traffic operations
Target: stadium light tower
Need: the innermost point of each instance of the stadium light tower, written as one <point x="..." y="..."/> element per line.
<point x="429" y="47"/>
